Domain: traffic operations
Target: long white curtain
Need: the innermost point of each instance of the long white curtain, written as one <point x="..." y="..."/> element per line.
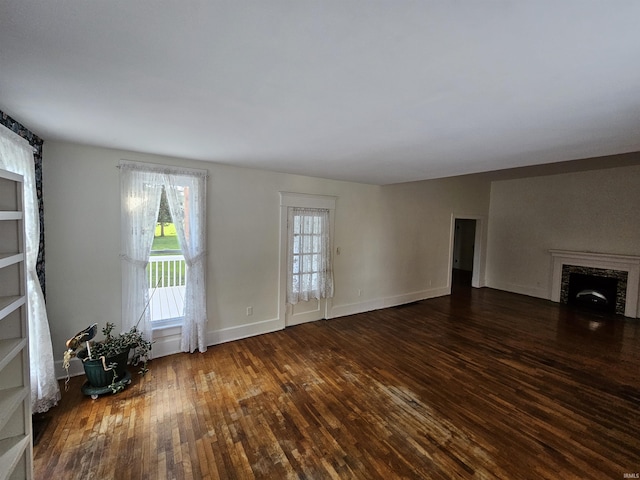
<point x="140" y="191"/>
<point x="141" y="188"/>
<point x="310" y="272"/>
<point x="186" y="198"/>
<point x="16" y="155"/>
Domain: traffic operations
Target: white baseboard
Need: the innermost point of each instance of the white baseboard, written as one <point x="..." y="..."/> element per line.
<point x="166" y="342"/>
<point x="386" y="302"/>
<point x="230" y="334"/>
<point x="355" y="308"/>
<point x="521" y="289"/>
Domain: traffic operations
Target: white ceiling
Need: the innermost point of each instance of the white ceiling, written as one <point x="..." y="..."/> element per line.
<point x="362" y="90"/>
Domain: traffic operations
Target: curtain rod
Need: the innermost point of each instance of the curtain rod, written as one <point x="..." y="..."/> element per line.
<point x="158" y="167"/>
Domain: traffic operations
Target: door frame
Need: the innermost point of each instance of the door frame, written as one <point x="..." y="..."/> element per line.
<point x="478" y="278"/>
<point x="304" y="200"/>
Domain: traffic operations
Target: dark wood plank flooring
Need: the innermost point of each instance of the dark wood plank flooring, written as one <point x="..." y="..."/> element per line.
<point x="481" y="384"/>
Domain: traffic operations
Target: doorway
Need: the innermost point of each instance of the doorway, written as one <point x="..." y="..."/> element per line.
<point x="463" y="252"/>
<point x="309" y="281"/>
<point x="307" y="221"/>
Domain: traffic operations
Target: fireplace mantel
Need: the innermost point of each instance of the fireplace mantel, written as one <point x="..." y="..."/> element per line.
<point x="625" y="263"/>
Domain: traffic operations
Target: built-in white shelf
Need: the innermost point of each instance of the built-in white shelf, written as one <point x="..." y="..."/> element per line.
<point x="12" y="449"/>
<point x="10" y="304"/>
<point x="7" y="259"/>
<point x="16" y="451"/>
<point x="10" y="215"/>
<point x="9" y="349"/>
<point x="10" y="399"/>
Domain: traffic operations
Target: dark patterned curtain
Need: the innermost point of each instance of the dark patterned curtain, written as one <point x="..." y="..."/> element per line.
<point x="36" y="143"/>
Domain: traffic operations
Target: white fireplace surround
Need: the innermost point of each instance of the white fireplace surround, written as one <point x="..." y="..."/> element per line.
<point x="623" y="263"/>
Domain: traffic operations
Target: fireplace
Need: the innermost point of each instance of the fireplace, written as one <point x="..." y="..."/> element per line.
<point x="596" y="290"/>
<point x="604" y="282"/>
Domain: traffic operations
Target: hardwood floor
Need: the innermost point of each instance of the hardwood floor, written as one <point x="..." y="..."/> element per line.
<point x="481" y="384"/>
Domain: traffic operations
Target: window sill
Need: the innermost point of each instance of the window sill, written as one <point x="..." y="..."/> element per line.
<point x="170" y="323"/>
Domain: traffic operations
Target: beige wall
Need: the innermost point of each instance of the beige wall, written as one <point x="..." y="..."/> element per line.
<point x="597" y="211"/>
<point x="395" y="241"/>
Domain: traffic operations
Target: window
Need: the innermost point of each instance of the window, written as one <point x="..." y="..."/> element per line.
<point x="166" y="271"/>
<point x="141" y="190"/>
<point x="310" y="273"/>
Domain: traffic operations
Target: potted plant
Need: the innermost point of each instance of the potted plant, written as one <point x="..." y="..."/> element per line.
<point x="105" y="361"/>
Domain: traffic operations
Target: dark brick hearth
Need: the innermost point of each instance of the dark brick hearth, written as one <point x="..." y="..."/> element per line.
<point x="621" y="276"/>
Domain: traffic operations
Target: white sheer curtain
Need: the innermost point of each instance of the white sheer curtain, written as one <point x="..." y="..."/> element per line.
<point x="186" y="198"/>
<point x="310" y="273"/>
<point x="141" y="188"/>
<point x="16" y="155"/>
<point x="140" y="191"/>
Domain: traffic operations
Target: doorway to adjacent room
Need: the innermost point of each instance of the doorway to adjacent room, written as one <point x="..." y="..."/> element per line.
<point x="467" y="249"/>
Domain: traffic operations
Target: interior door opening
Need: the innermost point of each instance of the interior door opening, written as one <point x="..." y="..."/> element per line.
<point x="306" y="275"/>
<point x="463" y="252"/>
